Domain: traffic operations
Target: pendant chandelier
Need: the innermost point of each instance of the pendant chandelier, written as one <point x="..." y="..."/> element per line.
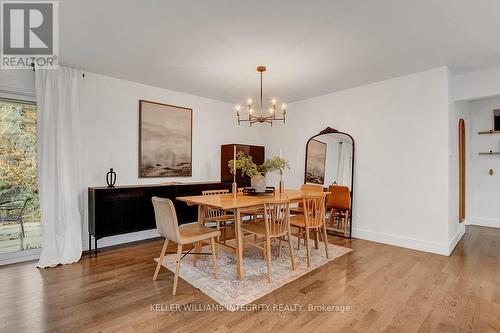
<point x="262" y="117"/>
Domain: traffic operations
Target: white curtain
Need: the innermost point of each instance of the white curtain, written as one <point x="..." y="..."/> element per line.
<point x="344" y="172"/>
<point x="59" y="108"/>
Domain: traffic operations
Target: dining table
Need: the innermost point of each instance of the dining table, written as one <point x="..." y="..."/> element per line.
<point x="238" y="203"/>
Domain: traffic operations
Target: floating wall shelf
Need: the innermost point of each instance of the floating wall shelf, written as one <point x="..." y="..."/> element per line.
<point x="489" y="132"/>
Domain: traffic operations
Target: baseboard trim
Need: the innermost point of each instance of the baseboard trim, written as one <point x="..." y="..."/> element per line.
<point x="20" y="256"/>
<point x="401" y="241"/>
<point x="454" y="241"/>
<point x="122" y="239"/>
<point x="127" y="238"/>
<point x="486" y="222"/>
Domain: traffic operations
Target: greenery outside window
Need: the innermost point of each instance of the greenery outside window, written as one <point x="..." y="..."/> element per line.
<point x="20" y="227"/>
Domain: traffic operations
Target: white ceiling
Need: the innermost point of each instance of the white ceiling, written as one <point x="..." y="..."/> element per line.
<point x="212" y="47"/>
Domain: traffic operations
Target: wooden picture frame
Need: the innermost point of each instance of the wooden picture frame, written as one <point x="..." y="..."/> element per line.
<point x="496" y="120"/>
<point x="461" y="170"/>
<point x="165" y="140"/>
<point x="315" y="162"/>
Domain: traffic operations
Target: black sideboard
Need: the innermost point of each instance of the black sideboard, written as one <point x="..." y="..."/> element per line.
<point x="123" y="209"/>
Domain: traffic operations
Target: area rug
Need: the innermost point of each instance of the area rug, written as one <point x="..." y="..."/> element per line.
<point x="232" y="293"/>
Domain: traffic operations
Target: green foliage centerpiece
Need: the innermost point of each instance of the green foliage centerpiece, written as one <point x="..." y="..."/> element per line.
<point x="276" y="164"/>
<point x="245" y="163"/>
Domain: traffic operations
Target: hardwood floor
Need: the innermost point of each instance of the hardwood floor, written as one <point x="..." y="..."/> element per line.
<point x="388" y="288"/>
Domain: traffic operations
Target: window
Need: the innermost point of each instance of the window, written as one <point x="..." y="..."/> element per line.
<point x="20" y="227"/>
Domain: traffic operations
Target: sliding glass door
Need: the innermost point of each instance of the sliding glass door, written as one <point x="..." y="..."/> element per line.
<point x="20" y="229"/>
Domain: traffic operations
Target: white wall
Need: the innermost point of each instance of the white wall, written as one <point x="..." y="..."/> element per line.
<point x="111" y="127"/>
<point x="111" y="124"/>
<point x="476" y="85"/>
<point x="485" y="188"/>
<point x="18" y="82"/>
<point x="401" y="131"/>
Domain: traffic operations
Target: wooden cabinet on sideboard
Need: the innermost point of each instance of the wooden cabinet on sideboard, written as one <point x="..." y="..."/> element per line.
<point x="227" y="152"/>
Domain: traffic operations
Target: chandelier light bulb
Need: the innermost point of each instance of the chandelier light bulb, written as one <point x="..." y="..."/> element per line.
<point x="250" y="111"/>
<point x="271" y="110"/>
<point x="249" y="101"/>
<point x="274" y="102"/>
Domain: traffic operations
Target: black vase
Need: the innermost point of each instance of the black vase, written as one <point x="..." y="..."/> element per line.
<point x="111" y="178"/>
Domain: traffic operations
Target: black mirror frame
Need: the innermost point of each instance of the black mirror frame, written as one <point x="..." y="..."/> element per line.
<point x="330" y="130"/>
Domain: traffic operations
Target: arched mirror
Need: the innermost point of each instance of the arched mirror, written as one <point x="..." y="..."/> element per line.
<point x="329" y="164"/>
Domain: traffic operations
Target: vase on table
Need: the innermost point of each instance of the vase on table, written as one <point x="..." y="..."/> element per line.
<point x="234" y="189"/>
<point x="258" y="182"/>
<point x="281" y="185"/>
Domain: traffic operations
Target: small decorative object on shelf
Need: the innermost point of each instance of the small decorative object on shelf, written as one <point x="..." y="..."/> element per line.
<point x="491" y="153"/>
<point x="111" y="178"/>
<point x="489" y="132"/>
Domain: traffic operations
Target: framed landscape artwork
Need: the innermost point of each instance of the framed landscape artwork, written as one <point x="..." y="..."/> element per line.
<point x="316" y="159"/>
<point x="165" y="140"/>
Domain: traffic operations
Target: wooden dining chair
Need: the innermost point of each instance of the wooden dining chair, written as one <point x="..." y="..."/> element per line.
<point x="220" y="217"/>
<point x="338" y="202"/>
<point x="313" y="220"/>
<point x="308" y="188"/>
<point x="168" y="227"/>
<point x="275" y="225"/>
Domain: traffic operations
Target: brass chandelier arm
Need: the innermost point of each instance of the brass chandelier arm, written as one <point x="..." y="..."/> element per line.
<point x="261" y="118"/>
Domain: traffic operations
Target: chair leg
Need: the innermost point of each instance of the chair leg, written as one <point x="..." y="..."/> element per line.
<point x="280" y="244"/>
<point x="316" y="240"/>
<point x="346" y="222"/>
<point x="268" y="257"/>
<point x="160" y="260"/>
<point x="330" y="219"/>
<point x="217" y="226"/>
<point x="265" y="251"/>
<point x="325" y="236"/>
<point x="177" y="268"/>
<point x="298" y="239"/>
<point x="197" y="248"/>
<point x="214" y="256"/>
<point x="307" y="248"/>
<point x="22" y="227"/>
<point x="218" y="237"/>
<point x="224" y="236"/>
<point x="292" y="255"/>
